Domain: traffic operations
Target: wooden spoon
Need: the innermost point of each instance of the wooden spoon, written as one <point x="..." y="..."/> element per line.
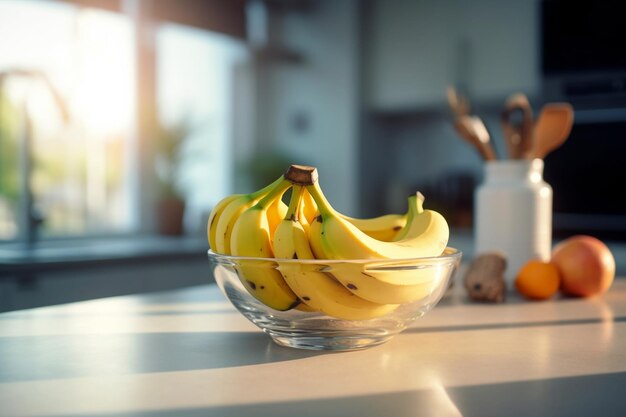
<point x="552" y="129"/>
<point x="473" y="130"/>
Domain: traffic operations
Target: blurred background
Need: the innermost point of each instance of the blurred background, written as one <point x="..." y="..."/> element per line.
<point x="123" y="122"/>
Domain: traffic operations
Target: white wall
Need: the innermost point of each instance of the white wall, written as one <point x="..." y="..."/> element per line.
<point x="420" y="47"/>
<point x="323" y="89"/>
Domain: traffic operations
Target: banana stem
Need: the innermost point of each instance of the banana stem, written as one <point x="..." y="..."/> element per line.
<point x="322" y="204"/>
<point x="416" y="204"/>
<point x="301" y="174"/>
<point x="416" y="207"/>
<point x="274" y="193"/>
<point x="294" y="203"/>
<point x="266" y="189"/>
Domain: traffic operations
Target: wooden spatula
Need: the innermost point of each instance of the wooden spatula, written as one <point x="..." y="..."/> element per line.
<point x="552" y="129"/>
<point x="473" y="130"/>
<point x="459" y="103"/>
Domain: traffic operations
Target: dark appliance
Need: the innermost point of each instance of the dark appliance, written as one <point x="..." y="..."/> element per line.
<point x="583" y="61"/>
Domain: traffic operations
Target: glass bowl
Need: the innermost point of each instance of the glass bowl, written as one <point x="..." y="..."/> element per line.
<point x="414" y="285"/>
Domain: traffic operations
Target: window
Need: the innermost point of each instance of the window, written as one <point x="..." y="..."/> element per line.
<point x="57" y="58"/>
<point x="80" y="167"/>
<point x="195" y="73"/>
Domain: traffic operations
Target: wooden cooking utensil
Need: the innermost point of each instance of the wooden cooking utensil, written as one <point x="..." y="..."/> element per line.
<point x="473" y="130"/>
<point x="518" y="137"/>
<point x="552" y="129"/>
<point x="459" y="103"/>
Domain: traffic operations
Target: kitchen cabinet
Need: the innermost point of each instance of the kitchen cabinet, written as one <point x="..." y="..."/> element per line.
<point x="63" y="271"/>
<point x="414" y="49"/>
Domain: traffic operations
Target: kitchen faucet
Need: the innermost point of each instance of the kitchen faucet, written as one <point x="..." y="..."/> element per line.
<point x="29" y="219"/>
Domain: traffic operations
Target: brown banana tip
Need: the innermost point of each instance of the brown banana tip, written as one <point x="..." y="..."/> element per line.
<point x="301" y="174"/>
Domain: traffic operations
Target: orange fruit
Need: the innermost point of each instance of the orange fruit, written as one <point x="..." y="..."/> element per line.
<point x="538" y="280"/>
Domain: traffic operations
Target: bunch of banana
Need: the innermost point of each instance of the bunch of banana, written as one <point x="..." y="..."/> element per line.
<point x="260" y="225"/>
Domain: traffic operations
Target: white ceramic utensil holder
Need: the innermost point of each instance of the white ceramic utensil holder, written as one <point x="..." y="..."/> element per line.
<point x="513" y="213"/>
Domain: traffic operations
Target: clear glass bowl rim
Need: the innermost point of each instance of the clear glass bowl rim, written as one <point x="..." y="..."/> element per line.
<point x="449" y="254"/>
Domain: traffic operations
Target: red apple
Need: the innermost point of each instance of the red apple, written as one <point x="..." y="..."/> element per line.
<point x="586" y="265"/>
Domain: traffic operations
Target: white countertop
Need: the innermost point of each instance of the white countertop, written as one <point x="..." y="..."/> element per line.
<point x="189" y="353"/>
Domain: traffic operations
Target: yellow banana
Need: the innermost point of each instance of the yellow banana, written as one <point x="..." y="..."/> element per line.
<point x="380" y="282"/>
<point x="425" y="234"/>
<point x="279" y="235"/>
<point x="304" y="223"/>
<point x="315" y="238"/>
<point x="318" y="290"/>
<point x="275" y="214"/>
<point x="308" y="208"/>
<point x="383" y="228"/>
<point x="231" y="213"/>
<point x="251" y="237"/>
<point x="305" y="226"/>
<point x="390" y="283"/>
<point x="214" y="217"/>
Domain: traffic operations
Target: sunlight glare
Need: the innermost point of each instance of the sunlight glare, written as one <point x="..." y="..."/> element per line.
<point x="106" y="87"/>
